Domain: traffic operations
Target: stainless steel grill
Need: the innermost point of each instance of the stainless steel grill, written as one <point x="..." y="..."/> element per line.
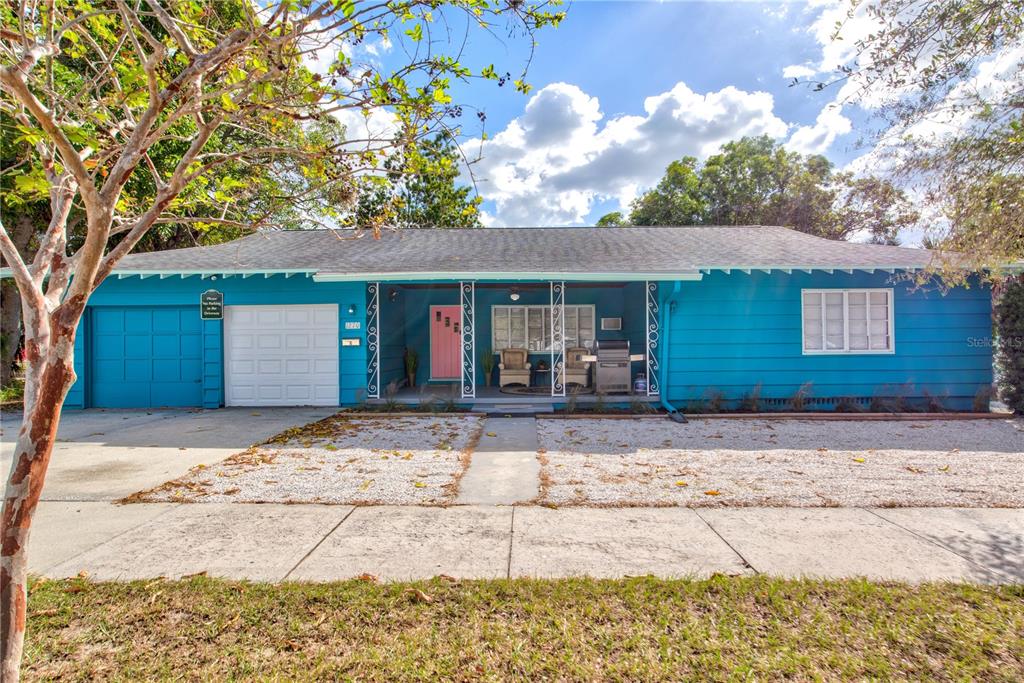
<point x="611" y="370"/>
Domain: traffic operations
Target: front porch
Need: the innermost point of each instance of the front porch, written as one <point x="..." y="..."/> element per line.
<point x="443" y="342"/>
<point x="491" y="399"/>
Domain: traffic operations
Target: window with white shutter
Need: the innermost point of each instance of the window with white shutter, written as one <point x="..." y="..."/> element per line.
<point x="847" y="321"/>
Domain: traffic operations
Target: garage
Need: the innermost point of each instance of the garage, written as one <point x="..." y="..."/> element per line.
<point x="281" y="355"/>
<point x="145" y="357"/>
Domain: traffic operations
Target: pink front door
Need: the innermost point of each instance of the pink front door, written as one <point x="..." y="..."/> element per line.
<point x="445" y="342"/>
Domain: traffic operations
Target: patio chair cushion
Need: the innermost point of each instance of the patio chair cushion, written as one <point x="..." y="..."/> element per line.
<point x="577" y="371"/>
<point x="514" y="359"/>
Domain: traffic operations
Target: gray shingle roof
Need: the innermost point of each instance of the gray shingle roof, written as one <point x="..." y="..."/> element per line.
<point x="507" y="251"/>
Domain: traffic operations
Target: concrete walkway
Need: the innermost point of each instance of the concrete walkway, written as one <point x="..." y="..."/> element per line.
<point x="504" y="469"/>
<point x="321" y="542"/>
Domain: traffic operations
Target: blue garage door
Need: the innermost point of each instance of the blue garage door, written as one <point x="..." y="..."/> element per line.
<point x="145" y="357"/>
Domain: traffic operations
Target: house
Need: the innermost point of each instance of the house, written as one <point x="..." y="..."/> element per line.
<point x="710" y="313"/>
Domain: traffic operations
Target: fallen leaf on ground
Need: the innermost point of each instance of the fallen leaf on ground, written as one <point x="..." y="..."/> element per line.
<point x="713" y="492"/>
<point x="491" y="434"/>
<point x="858" y="459"/>
<point x="232" y="491"/>
<point x="369" y="578"/>
<point x="419" y="595"/>
<point x="681" y="483"/>
<point x="419" y="484"/>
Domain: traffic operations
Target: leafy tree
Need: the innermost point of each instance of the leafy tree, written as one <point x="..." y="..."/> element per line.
<point x="101" y="92"/>
<point x="1010" y="331"/>
<point x="873" y="206"/>
<point x="421" y="191"/>
<point x="615" y="219"/>
<point x="745" y="183"/>
<point x="677" y="199"/>
<point x="232" y="199"/>
<point x="755" y="181"/>
<point x="959" y="142"/>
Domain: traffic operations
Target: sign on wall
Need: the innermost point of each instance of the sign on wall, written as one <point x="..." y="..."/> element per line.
<point x="211" y="305"/>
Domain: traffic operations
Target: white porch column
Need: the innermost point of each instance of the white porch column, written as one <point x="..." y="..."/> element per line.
<point x="557" y="338"/>
<point x="373" y="340"/>
<point x="653" y="338"/>
<point x="467" y="296"/>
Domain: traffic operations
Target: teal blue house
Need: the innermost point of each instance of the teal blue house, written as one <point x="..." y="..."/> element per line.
<point x="708" y="313"/>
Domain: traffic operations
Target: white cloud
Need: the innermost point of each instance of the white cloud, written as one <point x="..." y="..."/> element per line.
<point x="798" y="71"/>
<point x="550" y="165"/>
<point x="818" y="137"/>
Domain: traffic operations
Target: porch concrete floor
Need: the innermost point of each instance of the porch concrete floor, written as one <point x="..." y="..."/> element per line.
<point x="325" y="542"/>
<point x="441" y="393"/>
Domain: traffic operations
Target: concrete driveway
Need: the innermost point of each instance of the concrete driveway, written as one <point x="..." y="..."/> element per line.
<point x="108" y="454"/>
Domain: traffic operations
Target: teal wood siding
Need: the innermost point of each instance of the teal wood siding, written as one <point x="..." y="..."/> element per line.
<point x="213" y="363"/>
<point x="203" y="353"/>
<point x="733" y="332"/>
<point x="352" y="359"/>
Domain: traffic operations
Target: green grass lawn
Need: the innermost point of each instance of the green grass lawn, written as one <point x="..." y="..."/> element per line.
<point x="636" y="629"/>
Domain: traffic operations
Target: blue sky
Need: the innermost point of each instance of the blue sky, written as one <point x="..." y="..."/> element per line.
<point x="622" y="88"/>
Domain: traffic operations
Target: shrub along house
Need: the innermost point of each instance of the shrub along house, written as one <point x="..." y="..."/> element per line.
<point x="708" y="314"/>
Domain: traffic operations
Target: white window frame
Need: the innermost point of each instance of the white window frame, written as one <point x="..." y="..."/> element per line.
<point x="846" y="350"/>
<point x="540" y="309"/>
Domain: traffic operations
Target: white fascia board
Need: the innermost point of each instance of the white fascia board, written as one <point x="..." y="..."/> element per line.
<point x="693" y="275"/>
<point x="185" y="272"/>
<point x="790" y="267"/>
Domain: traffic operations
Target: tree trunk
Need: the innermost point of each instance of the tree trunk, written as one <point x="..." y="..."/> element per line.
<point x="10" y="328"/>
<point x="10" y="298"/>
<point x="44" y="396"/>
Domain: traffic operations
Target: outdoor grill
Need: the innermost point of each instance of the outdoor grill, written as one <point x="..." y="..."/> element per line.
<point x="611" y="370"/>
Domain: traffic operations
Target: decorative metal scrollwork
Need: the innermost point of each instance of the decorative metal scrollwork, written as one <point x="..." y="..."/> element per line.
<point x="373" y="340"/>
<point x="653" y="338"/>
<point x="468" y="299"/>
<point x="557" y="338"/>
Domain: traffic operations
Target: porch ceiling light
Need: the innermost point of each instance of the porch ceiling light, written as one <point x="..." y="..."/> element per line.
<point x="514" y="294"/>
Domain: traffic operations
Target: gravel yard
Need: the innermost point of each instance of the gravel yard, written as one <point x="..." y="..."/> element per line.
<point x="394" y="460"/>
<point x="796" y="463"/>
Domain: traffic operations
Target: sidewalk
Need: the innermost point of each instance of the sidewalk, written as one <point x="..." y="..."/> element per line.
<point x="321" y="542"/>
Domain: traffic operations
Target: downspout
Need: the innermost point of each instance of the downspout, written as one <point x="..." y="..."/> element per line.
<point x="665" y="315"/>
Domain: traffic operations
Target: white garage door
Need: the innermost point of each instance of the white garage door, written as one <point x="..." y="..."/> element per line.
<point x="281" y="355"/>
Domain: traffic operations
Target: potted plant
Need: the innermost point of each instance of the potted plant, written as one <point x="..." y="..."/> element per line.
<point x="412" y="362"/>
<point x="487" y="365"/>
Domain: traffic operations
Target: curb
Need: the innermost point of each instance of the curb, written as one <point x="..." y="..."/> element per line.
<point x="839" y="417"/>
<point x="409" y="413"/>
